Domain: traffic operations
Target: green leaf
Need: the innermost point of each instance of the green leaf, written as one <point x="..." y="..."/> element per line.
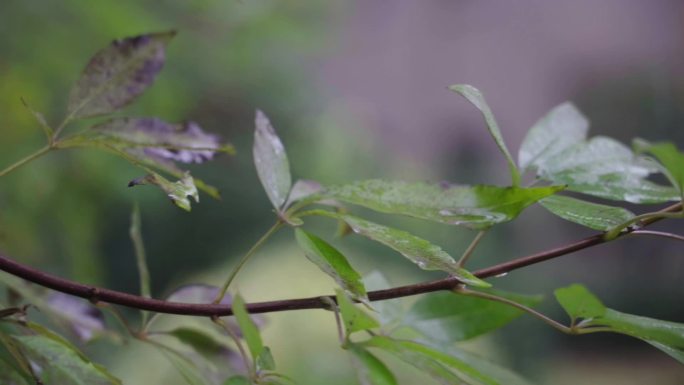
<point x="248" y="327"/>
<point x="369" y="368"/>
<point x="187" y="369"/>
<point x="421" y="252"/>
<point x="563" y="127"/>
<point x="389" y="312"/>
<point x="9" y="375"/>
<point x="135" y="232"/>
<point x="557" y="147"/>
<point x="332" y="262"/>
<point x="118" y="74"/>
<point x="271" y="161"/>
<point x="40" y="118"/>
<point x="265" y="360"/>
<point x="579" y="302"/>
<point x="592" y="215"/>
<point x="667" y="333"/>
<point x="201" y="341"/>
<point x="476" y="207"/>
<point x="440" y="366"/>
<point x="671" y="159"/>
<point x="677" y="354"/>
<point x="179" y="191"/>
<point x="494" y="373"/>
<point x="60" y="361"/>
<point x="475" y="97"/>
<point x="354" y="318"/>
<point x="449" y="317"/>
<point x="238" y="380"/>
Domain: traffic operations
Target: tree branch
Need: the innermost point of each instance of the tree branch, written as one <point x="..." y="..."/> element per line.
<point x="95" y="294"/>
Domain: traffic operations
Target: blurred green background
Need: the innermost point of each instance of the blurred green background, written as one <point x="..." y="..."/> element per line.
<point x="356" y="90"/>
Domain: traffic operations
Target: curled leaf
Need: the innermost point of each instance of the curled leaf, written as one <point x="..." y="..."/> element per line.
<point x="178" y="191"/>
<point x="117" y="74"/>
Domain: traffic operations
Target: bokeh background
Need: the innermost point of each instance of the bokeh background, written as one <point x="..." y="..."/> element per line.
<point x="356" y="89"/>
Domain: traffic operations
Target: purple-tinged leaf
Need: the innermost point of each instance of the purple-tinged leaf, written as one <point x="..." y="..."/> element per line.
<point x="303" y="189"/>
<point x="185" y="142"/>
<point x="271" y="161"/>
<point x="199" y="294"/>
<point x="85" y="320"/>
<point x="117" y="74"/>
<point x="179" y="191"/>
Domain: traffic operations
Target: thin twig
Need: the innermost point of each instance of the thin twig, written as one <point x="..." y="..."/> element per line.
<point x="134" y="301"/>
<point x="245" y="258"/>
<point x="471" y="248"/>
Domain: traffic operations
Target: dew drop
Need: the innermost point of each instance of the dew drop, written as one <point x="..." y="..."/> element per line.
<point x="501" y="275"/>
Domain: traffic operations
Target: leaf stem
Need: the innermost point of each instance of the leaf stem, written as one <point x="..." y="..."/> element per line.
<point x="471" y="248"/>
<point x="615" y="231"/>
<point x="245" y="358"/>
<point x="491" y="297"/>
<point x="338" y="321"/>
<point x="245" y="258"/>
<point x="663" y="234"/>
<point x="25" y="160"/>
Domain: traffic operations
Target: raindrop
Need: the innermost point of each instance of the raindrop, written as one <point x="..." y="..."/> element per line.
<point x="501" y="275"/>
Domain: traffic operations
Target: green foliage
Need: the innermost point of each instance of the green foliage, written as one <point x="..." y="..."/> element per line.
<point x="475" y="207"/>
<point x="592" y="215"/>
<point x="475" y="97"/>
<point x="332" y="262"/>
<point x="556" y="148"/>
<point x="579" y="302"/>
<point x="450" y="317"/>
<point x="354" y="318"/>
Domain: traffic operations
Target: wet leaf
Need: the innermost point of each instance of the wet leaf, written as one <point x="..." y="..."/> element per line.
<point x="179" y="191"/>
<point x="477" y="207"/>
<point x="449" y="317"/>
<point x="579" y="302"/>
<point x="418" y="250"/>
<point x="184" y="142"/>
<point x="354" y="318"/>
<point x="331" y="262"/>
<point x="118" y="74"/>
<point x="592" y="215"/>
<point x="563" y="127"/>
<point x="84" y="319"/>
<point x="557" y="147"/>
<point x="271" y="161"/>
<point x="475" y="97"/>
<point x="370" y="370"/>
